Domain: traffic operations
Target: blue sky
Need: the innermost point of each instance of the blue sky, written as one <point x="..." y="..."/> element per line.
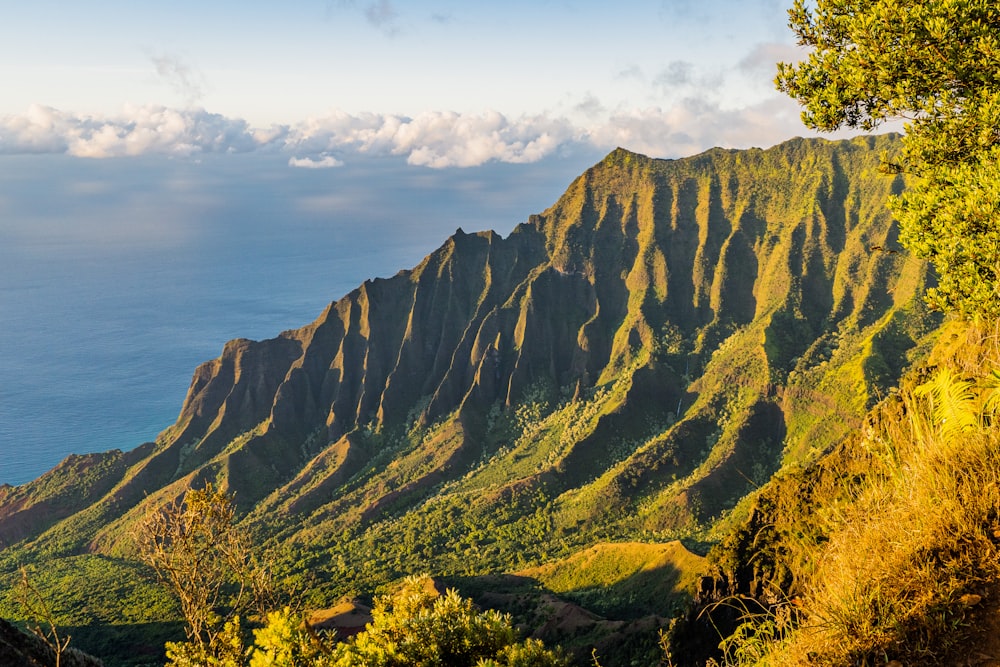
<point x="440" y="82"/>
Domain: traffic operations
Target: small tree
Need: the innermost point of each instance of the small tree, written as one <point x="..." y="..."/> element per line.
<point x="936" y="64"/>
<point x="195" y="549"/>
<point x="41" y="619"/>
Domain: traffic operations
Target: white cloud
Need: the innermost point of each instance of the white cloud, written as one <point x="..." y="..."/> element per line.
<point x="434" y="139"/>
<point x="136" y="131"/>
<point x="590" y="106"/>
<point x="677" y="73"/>
<point x="323" y="162"/>
<point x="694" y="125"/>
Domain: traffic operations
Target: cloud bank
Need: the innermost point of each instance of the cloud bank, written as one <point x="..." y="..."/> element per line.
<point x="432" y="139"/>
<point x="136" y="131"/>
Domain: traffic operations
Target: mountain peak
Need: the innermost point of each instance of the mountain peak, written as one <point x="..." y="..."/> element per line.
<point x="635" y="358"/>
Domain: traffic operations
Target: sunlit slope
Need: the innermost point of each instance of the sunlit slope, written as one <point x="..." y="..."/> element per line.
<point x="623" y="576"/>
<point x="627" y="364"/>
<point x="884" y="550"/>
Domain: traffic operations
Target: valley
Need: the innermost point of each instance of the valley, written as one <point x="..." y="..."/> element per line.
<point x="559" y="423"/>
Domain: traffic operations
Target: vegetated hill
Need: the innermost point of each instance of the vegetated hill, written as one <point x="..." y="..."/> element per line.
<point x="639" y="575"/>
<point x="886" y="550"/>
<point x="626" y="365"/>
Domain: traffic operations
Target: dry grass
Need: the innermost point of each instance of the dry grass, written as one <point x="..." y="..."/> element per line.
<point x="917" y="546"/>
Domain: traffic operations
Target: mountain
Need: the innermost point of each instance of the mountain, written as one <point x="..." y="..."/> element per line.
<point x="626" y="365"/>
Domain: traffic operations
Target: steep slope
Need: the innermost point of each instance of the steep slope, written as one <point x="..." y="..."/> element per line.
<point x="886" y="550"/>
<point x="631" y="362"/>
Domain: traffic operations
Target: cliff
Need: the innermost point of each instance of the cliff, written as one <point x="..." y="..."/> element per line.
<point x="631" y="361"/>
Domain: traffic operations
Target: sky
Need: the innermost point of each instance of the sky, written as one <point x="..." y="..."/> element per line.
<point x="441" y="83"/>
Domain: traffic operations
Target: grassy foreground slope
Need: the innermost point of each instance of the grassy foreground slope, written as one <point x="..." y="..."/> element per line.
<point x="888" y="548"/>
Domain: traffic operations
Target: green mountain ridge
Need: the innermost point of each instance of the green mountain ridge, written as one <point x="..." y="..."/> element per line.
<point x="626" y="365"/>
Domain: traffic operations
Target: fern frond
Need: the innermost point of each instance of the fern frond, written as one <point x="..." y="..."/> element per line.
<point x="953" y="403"/>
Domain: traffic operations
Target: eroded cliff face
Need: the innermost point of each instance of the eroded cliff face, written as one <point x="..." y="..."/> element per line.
<point x="690" y="323"/>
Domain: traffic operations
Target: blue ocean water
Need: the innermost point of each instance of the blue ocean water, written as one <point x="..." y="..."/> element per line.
<point x="118" y="277"/>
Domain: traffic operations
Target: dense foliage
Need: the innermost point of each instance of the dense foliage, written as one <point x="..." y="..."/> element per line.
<point x="196" y="551"/>
<point x="200" y="555"/>
<point x="935" y="63"/>
<point x="416" y="627"/>
<point x="413" y="627"/>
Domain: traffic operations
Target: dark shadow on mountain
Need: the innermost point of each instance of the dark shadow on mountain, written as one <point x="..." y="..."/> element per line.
<point x="126" y="645"/>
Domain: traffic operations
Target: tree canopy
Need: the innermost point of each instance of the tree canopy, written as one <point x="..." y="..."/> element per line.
<point x="935" y="64"/>
<point x="196" y="551"/>
<point x="416" y="627"/>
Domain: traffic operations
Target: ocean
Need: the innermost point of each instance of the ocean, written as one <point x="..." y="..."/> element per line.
<point x="118" y="277"/>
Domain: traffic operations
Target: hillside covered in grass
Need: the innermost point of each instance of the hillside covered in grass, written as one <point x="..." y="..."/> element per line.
<point x="624" y="367"/>
<point x="887" y="547"/>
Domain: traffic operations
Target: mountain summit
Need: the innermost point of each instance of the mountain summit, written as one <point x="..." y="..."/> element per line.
<point x="632" y="361"/>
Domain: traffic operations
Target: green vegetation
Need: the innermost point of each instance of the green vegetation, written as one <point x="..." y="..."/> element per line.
<point x="616" y="375"/>
<point x="196" y="551"/>
<point x="885" y="550"/>
<point x="43" y="623"/>
<point x="702" y="350"/>
<point x="935" y="63"/>
<point x="417" y="627"/>
<point x="686" y="354"/>
<point x="888" y="549"/>
<point x="622" y="579"/>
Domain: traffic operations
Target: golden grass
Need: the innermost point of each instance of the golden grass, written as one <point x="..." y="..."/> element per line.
<point x="916" y="547"/>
